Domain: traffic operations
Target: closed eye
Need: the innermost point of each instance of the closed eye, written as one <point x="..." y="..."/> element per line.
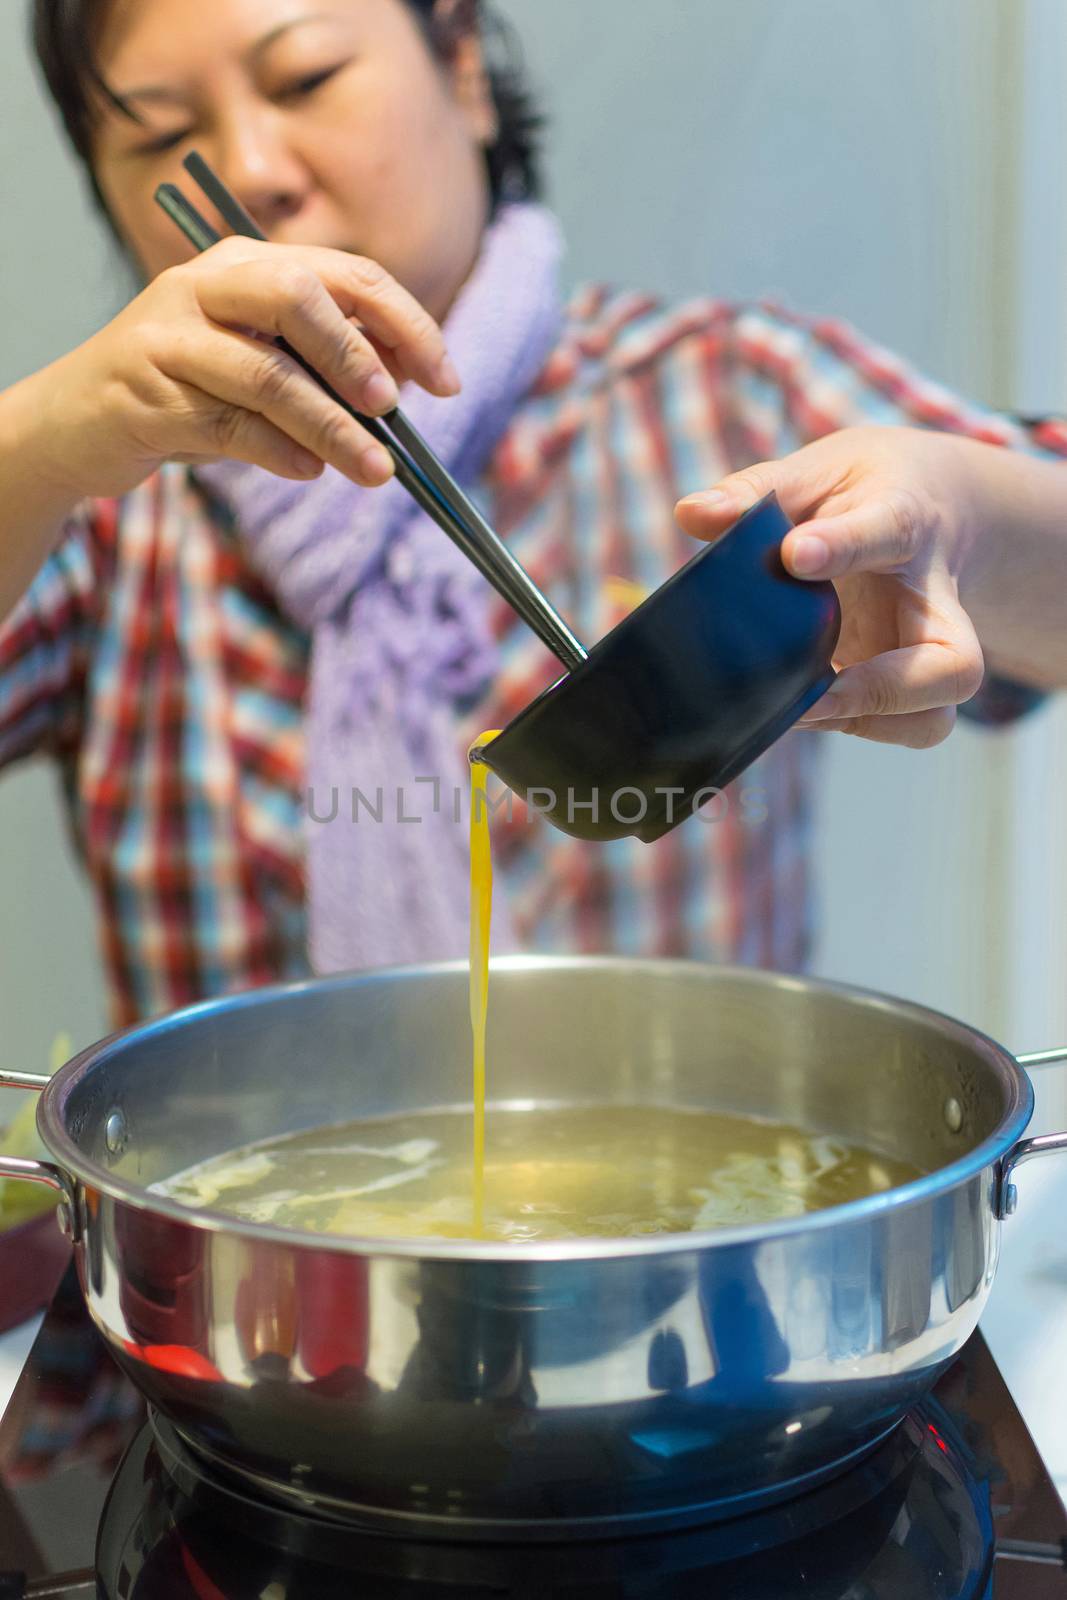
<point x="165" y="142"/>
<point x="301" y="88"/>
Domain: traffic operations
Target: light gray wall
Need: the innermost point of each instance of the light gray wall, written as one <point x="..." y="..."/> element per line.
<point x="59" y="277"/>
<point x="58" y="281"/>
<point x="848" y="155"/>
<point x="844" y="154"/>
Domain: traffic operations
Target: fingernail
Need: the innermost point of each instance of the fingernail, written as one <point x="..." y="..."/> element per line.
<point x="447" y="376"/>
<point x="377" y="464"/>
<point x="808" y="554"/>
<point x="707" y="497"/>
<point x="379" y="394"/>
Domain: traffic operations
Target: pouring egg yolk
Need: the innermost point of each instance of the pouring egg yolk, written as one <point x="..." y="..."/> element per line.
<point x="481" y="916"/>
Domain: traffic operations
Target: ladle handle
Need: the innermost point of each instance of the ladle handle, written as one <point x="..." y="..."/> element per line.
<point x="456" y="515"/>
<point x="483" y="547"/>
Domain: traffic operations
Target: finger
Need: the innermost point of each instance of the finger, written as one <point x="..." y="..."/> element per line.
<point x="286" y="300"/>
<point x="246" y="375"/>
<point x="361" y="289"/>
<point x="253" y="439"/>
<point x="918" y="678"/>
<point x="882" y="535"/>
<point x="712" y="512"/>
<point x="390" y="314"/>
<point x="919" y="730"/>
<point x="803" y="482"/>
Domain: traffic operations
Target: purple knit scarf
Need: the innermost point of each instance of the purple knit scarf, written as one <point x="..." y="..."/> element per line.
<point x="400" y="636"/>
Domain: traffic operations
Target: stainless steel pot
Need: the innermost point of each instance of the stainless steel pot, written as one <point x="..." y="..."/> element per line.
<point x="538" y="1389"/>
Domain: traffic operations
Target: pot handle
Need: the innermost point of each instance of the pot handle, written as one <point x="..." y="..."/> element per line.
<point x="23" y="1080"/>
<point x="1043" y="1058"/>
<point x="40" y="1172"/>
<point x="36" y="1171"/>
<point x="1006" y="1199"/>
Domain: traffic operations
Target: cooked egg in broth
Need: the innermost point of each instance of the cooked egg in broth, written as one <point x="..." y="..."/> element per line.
<point x="551" y="1173"/>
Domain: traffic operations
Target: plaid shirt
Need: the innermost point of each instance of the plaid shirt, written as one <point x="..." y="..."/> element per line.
<point x="149" y="660"/>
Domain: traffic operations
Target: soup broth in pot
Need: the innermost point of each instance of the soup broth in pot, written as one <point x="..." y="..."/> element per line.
<point x="551" y="1173"/>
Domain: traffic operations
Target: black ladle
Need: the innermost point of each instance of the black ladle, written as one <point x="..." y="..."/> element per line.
<point x="681" y="697"/>
<point x="675" y="702"/>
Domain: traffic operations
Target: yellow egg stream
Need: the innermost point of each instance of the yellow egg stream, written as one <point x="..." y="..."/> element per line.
<point x="626" y="594"/>
<point x="481" y="914"/>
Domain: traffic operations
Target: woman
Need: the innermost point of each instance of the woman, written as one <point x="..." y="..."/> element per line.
<point x="210" y="651"/>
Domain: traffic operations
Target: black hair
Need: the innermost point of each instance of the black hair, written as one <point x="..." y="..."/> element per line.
<point x="513" y="158"/>
<point x="64" y="37"/>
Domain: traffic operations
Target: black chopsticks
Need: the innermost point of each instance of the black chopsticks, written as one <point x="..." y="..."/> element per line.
<point x="417" y="467"/>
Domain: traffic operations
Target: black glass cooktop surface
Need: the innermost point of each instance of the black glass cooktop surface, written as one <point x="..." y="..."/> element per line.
<point x="98" y="1499"/>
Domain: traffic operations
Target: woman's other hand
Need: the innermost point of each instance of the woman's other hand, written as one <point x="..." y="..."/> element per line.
<point x="893" y="517"/>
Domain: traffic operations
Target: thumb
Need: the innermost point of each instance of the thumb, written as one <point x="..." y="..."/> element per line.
<point x="709" y="513"/>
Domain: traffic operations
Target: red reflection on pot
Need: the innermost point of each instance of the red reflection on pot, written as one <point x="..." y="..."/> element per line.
<point x="334" y="1318"/>
<point x="177" y="1359"/>
<point x="162" y="1283"/>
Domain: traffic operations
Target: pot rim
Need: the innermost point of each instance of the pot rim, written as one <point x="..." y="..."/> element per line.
<point x="1019" y="1096"/>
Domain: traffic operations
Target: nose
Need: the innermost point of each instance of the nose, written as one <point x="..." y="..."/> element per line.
<point x="257" y="163"/>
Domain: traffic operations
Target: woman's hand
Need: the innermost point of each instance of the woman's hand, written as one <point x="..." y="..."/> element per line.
<point x="189" y="370"/>
<point x="902" y="521"/>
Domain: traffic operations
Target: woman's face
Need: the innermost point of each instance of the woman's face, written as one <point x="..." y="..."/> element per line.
<point x="330" y="119"/>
